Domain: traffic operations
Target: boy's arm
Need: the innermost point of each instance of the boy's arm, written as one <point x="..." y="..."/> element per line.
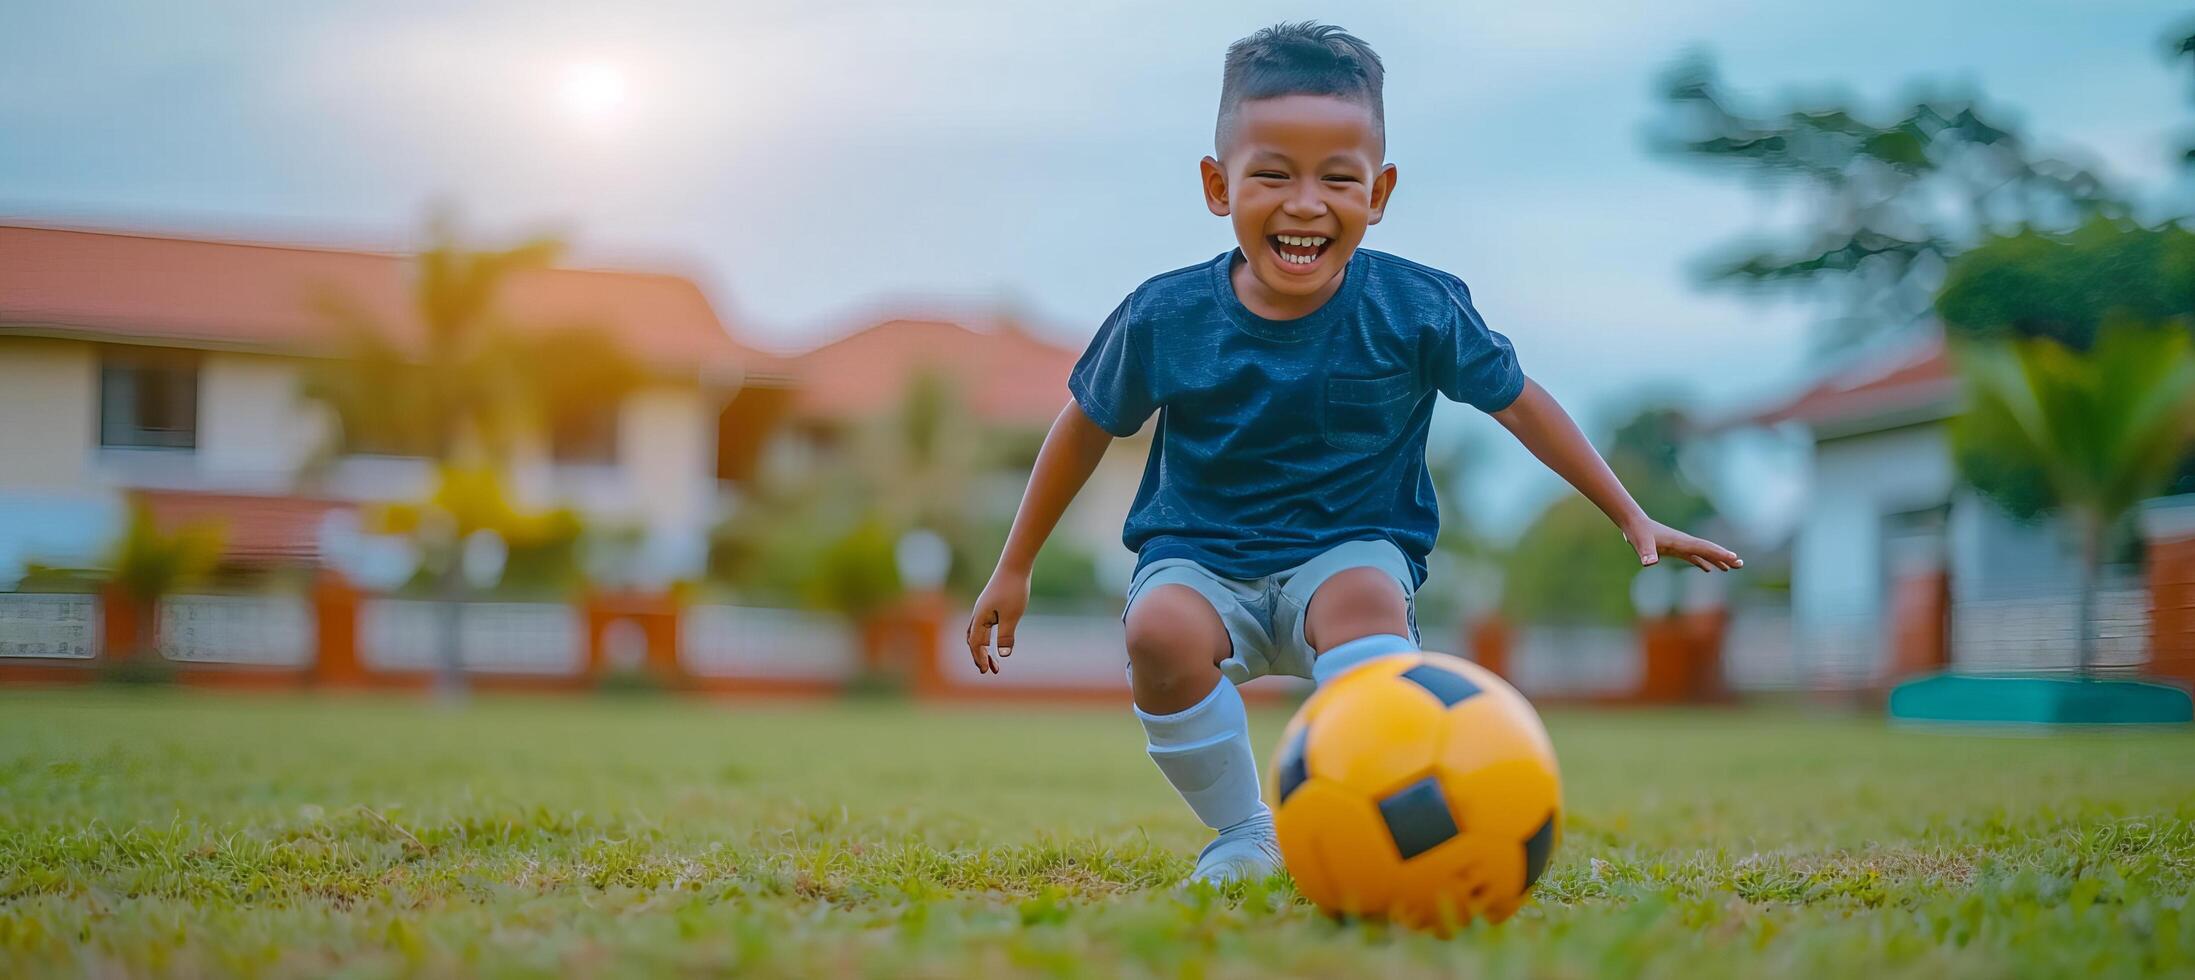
<point x="1071" y="453"/>
<point x="1545" y="429"/>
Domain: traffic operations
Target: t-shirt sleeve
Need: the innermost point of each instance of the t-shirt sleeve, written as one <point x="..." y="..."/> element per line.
<point x="1112" y="381"/>
<point x="1471" y="363"/>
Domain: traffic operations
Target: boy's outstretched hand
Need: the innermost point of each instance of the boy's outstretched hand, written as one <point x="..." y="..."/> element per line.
<point x="1653" y="539"/>
<point x="1003" y="601"/>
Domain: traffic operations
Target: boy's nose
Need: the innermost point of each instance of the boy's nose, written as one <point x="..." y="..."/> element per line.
<point x="1305" y="203"/>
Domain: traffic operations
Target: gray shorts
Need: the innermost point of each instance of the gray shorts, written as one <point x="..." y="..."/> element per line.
<point x="1264" y="617"/>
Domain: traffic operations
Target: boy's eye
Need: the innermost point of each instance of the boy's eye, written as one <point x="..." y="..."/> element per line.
<point x="1269" y="173"/>
<point x="1341" y="178"/>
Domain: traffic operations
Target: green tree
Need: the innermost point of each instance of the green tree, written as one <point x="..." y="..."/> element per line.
<point x="2064" y="288"/>
<point x="2103" y="428"/>
<point x="463" y="381"/>
<point x="825" y="533"/>
<point x="1888" y="199"/>
<point x="148" y="564"/>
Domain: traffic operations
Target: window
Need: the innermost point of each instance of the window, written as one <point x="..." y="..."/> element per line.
<point x="148" y="399"/>
<point x="585" y="436"/>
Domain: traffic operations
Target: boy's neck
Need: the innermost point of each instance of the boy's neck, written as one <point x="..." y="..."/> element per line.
<point x="1276" y="306"/>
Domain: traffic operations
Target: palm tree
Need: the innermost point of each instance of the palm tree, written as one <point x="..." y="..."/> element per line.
<point x="466" y="388"/>
<point x="2104" y="429"/>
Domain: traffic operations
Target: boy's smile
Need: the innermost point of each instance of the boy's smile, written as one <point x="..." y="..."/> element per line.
<point x="1302" y="179"/>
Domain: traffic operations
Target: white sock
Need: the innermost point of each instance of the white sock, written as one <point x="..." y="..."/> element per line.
<point x="1333" y="662"/>
<point x="1204" y="750"/>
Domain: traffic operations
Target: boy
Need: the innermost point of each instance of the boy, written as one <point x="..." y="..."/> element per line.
<point x="1286" y="511"/>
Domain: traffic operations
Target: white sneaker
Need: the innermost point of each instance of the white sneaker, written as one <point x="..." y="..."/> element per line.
<point x="1247" y="851"/>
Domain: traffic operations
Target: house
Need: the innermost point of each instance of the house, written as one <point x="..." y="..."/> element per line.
<point x="170" y="369"/>
<point x="1893" y="550"/>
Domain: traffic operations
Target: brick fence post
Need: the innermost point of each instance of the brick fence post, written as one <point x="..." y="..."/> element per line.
<point x="2169" y="526"/>
<point x="122" y="630"/>
<point x="335" y="615"/>
<point x="655" y="615"/>
<point x="1489" y="640"/>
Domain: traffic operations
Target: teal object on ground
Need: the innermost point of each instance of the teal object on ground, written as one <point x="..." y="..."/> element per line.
<point x="2040" y="701"/>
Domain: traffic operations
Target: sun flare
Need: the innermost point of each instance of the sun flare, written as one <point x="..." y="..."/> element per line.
<point x="594" y="93"/>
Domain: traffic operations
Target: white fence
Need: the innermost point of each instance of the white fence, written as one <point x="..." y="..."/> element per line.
<point x="49" y="626"/>
<point x="1575" y="661"/>
<point x="774" y="644"/>
<point x="2040" y="633"/>
<point x="1049" y="651"/>
<point x="256" y="630"/>
<point x="1760" y="651"/>
<point x="539" y="638"/>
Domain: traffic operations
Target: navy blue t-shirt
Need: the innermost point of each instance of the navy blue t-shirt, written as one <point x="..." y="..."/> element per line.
<point x="1279" y="439"/>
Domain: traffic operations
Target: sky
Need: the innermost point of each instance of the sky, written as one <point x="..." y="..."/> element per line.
<point x="814" y="163"/>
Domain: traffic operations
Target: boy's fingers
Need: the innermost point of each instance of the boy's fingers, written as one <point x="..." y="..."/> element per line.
<point x="979" y="635"/>
<point x="1006" y="640"/>
<point x="1700" y="563"/>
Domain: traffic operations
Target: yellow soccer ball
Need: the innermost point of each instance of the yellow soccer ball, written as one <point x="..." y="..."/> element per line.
<point x="1418" y="788"/>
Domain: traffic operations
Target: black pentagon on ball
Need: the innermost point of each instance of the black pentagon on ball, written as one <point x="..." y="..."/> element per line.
<point x="1293" y="769"/>
<point x="1417" y="817"/>
<point x="1537" y="849"/>
<point x="1450" y="687"/>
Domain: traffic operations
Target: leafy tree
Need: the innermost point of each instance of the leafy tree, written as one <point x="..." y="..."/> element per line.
<point x="468" y="381"/>
<point x="825" y="534"/>
<point x="2103" y="428"/>
<point x="466" y="384"/>
<point x="148" y="564"/>
<point x="2064" y="288"/>
<point x="1887" y="198"/>
<point x="541" y="547"/>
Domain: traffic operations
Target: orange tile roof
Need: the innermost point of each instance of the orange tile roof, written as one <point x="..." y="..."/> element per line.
<point x="193" y="292"/>
<point x="1918" y="382"/>
<point x="1004" y="374"/>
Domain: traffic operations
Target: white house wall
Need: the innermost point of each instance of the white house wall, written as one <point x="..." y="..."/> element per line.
<point x="52" y="511"/>
<point x="666" y="448"/>
<point x="255" y="433"/>
<point x="1837" y="561"/>
<point x="253" y="429"/>
<point x="49" y="418"/>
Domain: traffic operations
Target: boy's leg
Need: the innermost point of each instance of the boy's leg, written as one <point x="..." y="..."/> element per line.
<point x="1181" y="623"/>
<point x="1354" y="603"/>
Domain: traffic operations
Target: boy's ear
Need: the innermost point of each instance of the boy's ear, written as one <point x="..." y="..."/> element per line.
<point x="1382" y="186"/>
<point x="1215" y="187"/>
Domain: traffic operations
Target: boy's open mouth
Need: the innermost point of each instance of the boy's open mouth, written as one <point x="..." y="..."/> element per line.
<point x="1298" y="251"/>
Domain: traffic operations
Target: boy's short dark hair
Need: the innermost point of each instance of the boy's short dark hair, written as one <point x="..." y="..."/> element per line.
<point x="1300" y="59"/>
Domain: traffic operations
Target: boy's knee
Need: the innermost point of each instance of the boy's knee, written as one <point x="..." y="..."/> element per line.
<point x="1174" y="633"/>
<point x="1355" y="602"/>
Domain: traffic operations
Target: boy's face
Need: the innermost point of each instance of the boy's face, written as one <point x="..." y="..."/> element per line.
<point x="1302" y="178"/>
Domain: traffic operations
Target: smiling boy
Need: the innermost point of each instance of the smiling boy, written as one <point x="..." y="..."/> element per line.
<point x="1286" y="510"/>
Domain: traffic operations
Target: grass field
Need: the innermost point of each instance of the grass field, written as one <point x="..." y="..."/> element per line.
<point x="174" y="832"/>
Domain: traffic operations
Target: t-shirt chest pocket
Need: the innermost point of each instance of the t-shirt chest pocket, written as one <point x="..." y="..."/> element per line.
<point x="1363" y="414"/>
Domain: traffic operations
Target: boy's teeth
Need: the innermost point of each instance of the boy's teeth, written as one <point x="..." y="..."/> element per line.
<point x="1301" y="240"/>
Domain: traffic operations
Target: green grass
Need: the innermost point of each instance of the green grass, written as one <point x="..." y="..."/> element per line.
<point x="171" y="832"/>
